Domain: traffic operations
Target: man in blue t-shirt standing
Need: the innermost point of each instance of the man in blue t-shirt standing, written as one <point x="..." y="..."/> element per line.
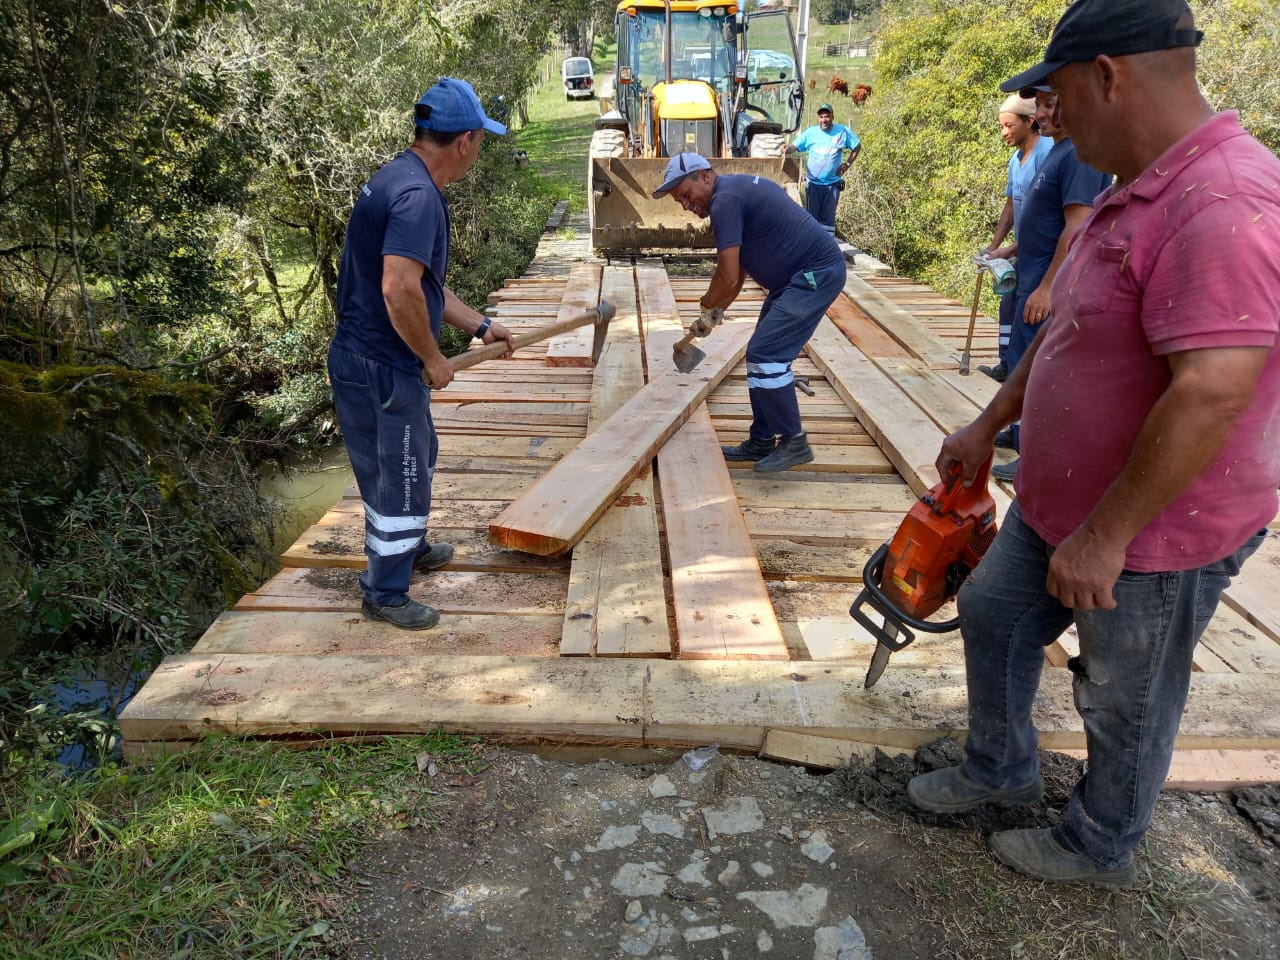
<point x="762" y="233"/>
<point x="1019" y="130"/>
<point x="1059" y="199"/>
<point x="392" y="302"/>
<point x="824" y="146"/>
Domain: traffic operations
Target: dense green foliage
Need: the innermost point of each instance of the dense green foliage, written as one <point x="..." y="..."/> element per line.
<point x="175" y="177"/>
<point x="928" y="187"/>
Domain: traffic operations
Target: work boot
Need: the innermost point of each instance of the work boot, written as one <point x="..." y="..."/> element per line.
<point x="1004" y="440"/>
<point x="1038" y="854"/>
<point x="949" y="791"/>
<point x="410" y="615"/>
<point x="1006" y="471"/>
<point x="999" y="373"/>
<point x="434" y="557"/>
<point x="791" y="452"/>
<point x="749" y="449"/>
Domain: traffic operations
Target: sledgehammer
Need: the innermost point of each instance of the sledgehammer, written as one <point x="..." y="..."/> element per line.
<point x="600" y="315"/>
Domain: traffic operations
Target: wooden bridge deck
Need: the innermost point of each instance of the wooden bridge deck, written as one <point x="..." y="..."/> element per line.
<point x="708" y="603"/>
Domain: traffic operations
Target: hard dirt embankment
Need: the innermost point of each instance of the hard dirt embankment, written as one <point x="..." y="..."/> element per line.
<point x="536" y="858"/>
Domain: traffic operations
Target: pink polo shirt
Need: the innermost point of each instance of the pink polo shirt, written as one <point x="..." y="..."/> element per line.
<point x="1186" y="257"/>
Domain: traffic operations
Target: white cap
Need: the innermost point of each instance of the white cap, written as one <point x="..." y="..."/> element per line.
<point x="681" y="165"/>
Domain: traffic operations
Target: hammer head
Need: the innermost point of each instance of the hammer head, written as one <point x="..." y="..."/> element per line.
<point x="600" y="328"/>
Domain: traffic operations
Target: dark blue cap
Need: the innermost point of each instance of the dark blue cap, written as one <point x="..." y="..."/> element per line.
<point x="1113" y="28"/>
<point x="451" y="106"/>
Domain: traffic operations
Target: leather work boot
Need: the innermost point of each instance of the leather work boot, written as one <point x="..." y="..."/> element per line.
<point x="1005" y="471"/>
<point x="1004" y="439"/>
<point x="1037" y="854"/>
<point x="410" y="615"/>
<point x="999" y="373"/>
<point x="791" y="452"/>
<point x="949" y="791"/>
<point x="749" y="449"/>
<point x="434" y="557"/>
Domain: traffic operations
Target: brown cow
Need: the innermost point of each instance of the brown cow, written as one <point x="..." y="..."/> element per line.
<point x="860" y="93"/>
<point x="838" y="85"/>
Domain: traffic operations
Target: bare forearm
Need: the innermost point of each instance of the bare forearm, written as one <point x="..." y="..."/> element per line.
<point x="1003" y="225"/>
<point x="408" y="311"/>
<point x="458" y="314"/>
<point x="725" y="286"/>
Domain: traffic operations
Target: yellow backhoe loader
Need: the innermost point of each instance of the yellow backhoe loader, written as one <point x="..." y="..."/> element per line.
<point x="698" y="75"/>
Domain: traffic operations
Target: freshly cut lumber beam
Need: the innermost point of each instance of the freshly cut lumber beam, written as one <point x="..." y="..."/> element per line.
<point x="1213" y="771"/>
<point x="573" y="347"/>
<point x="555" y="512"/>
<point x="907" y="437"/>
<point x="913" y="334"/>
<point x="649" y="702"/>
<point x="722" y="607"/>
<point x="616" y="604"/>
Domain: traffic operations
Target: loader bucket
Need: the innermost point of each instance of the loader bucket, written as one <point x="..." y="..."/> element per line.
<point x="625" y="216"/>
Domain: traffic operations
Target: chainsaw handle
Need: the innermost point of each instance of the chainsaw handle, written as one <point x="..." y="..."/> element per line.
<point x="955" y="495"/>
<point x="872" y="575"/>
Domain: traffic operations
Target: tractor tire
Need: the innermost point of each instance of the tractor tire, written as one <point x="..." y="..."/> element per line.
<point x="768" y="145"/>
<point x="608" y="143"/>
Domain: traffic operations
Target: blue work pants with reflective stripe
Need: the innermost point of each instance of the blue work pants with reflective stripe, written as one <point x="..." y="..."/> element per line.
<point x="787" y="320"/>
<point x="385" y="415"/>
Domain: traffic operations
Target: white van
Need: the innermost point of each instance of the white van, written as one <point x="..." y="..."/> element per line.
<point x="579" y="78"/>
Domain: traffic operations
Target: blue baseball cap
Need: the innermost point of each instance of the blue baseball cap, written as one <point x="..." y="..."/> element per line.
<point x="679" y="167"/>
<point x="451" y="106"/>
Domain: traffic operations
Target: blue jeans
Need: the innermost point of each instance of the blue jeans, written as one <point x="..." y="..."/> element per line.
<point x="385" y="415"/>
<point x="1130" y="681"/>
<point x="787" y="320"/>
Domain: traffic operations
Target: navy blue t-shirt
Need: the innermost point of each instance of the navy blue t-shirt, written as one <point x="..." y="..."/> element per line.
<point x="1061" y="181"/>
<point x="778" y="237"/>
<point x="401" y="212"/>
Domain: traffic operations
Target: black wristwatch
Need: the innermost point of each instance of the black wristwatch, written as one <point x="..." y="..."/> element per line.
<point x="481" y="330"/>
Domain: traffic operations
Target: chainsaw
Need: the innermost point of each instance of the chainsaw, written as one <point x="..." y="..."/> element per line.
<point x="941" y="540"/>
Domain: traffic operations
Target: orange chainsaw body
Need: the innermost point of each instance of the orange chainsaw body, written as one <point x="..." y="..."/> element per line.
<point x="941" y="539"/>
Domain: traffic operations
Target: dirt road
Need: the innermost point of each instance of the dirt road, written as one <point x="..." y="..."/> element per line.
<point x="745" y="858"/>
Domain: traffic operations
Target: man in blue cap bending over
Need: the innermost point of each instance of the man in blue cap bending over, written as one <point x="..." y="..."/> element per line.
<point x="762" y="233"/>
<point x="391" y="303"/>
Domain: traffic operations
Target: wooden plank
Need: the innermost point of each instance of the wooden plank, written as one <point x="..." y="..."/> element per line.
<point x="756" y="490"/>
<point x="862" y="331"/>
<point x="338" y="541"/>
<point x="941" y="402"/>
<point x="824" y="753"/>
<point x="292" y="634"/>
<point x="899" y="324"/>
<point x="1253" y="593"/>
<point x="616" y="605"/>
<point x="1214" y="771"/>
<point x="582" y="292"/>
<point x="316" y="589"/>
<point x="552" y="515"/>
<point x="721" y="604"/>
<point x="647" y="702"/>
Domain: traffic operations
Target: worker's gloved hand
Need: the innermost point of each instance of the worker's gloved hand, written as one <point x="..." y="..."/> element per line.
<point x="708" y="320"/>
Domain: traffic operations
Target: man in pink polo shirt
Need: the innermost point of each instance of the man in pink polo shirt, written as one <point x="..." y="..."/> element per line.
<point x="1150" y="411"/>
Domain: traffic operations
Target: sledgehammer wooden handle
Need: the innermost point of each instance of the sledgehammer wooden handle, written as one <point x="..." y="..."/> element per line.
<point x="602" y="313"/>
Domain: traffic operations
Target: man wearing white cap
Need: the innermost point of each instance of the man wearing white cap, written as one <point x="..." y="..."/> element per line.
<point x="1017" y="118"/>
<point x="1150" y="402"/>
<point x="762" y="233"/>
<point x="392" y="301"/>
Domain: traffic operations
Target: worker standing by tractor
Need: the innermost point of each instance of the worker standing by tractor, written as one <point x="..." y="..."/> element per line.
<point x="824" y="146"/>
<point x="761" y="232"/>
